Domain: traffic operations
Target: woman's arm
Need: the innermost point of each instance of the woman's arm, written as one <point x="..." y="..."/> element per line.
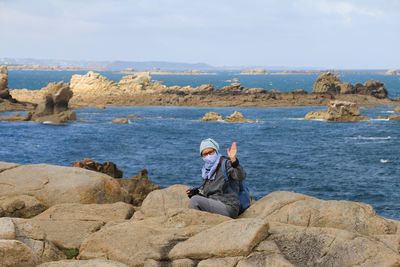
<point x="235" y="170"/>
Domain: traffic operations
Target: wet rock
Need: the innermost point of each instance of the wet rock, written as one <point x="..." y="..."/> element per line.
<point x="15" y="118"/>
<point x="138" y="187"/>
<point x="397" y="109"/>
<point x="107" y="167"/>
<point x="212" y="116"/>
<point x="237" y="117"/>
<point x="394" y="118"/>
<point x="120" y="121"/>
<point x="339" y="111"/>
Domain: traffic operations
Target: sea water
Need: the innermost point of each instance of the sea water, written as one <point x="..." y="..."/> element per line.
<point x="281" y="151"/>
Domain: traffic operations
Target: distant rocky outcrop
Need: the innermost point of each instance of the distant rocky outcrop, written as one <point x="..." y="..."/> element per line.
<point x="339" y="111"/>
<point x="256" y="71"/>
<point x="4" y="93"/>
<point x="91" y="83"/>
<point x="236" y="86"/>
<point x="234" y="117"/>
<point x="330" y="83"/>
<point x="392" y="72"/>
<point x="54" y="105"/>
<point x="107" y="167"/>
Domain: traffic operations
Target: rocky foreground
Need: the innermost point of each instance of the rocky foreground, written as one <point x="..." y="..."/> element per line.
<point x="93" y="89"/>
<point x="67" y="216"/>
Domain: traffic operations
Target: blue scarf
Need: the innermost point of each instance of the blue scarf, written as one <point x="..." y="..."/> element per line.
<point x="210" y="166"/>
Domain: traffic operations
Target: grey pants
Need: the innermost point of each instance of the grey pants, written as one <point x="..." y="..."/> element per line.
<point x="211" y="205"/>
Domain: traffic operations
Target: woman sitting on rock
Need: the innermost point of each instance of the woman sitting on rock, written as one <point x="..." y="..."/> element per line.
<point x="219" y="192"/>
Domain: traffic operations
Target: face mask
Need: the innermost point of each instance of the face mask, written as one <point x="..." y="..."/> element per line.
<point x="210" y="159"/>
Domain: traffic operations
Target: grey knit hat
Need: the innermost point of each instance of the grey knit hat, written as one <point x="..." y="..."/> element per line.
<point x="208" y="143"/>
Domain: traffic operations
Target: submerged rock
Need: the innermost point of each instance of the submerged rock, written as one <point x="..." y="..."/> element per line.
<point x="107" y="167"/>
<point x="339" y="111"/>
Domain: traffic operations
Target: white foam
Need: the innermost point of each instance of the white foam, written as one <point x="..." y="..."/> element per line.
<point x="371" y="137"/>
<point x="384" y="161"/>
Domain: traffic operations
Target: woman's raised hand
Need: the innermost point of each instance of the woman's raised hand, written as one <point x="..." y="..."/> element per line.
<point x="232" y="152"/>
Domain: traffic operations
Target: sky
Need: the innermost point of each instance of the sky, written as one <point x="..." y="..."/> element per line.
<point x="345" y="34"/>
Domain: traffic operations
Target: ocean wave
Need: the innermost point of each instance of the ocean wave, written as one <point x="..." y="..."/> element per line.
<point x="385" y="119"/>
<point x="370" y="137"/>
<point x="384" y="161"/>
<point x="295" y="119"/>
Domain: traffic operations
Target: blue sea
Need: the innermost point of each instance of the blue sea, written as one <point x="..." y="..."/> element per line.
<point x="281" y="151"/>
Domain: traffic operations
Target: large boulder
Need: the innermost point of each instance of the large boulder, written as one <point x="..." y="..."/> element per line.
<point x="228" y="239"/>
<point x="55" y="185"/>
<point x="137" y="242"/>
<point x="327" y="82"/>
<point x="298" y="209"/>
<point x="339" y="111"/>
<point x="314" y="246"/>
<point x="137" y="83"/>
<point x="159" y="202"/>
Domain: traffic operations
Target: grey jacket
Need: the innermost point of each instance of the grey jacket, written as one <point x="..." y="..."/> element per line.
<point x="225" y="191"/>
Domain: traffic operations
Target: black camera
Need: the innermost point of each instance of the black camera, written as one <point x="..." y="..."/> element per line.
<point x="193" y="192"/>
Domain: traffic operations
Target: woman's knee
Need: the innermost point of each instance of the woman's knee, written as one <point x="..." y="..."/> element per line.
<point x="194" y="202"/>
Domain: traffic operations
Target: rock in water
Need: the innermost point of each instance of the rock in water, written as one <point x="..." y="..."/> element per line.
<point x="120" y="121"/>
<point x="54" y="105"/>
<point x="212" y="116"/>
<point x="327" y="83"/>
<point x="107" y="167"/>
<point x="340" y="111"/>
<point x="4" y="92"/>
<point x="372" y="87"/>
<point x="237" y="117"/>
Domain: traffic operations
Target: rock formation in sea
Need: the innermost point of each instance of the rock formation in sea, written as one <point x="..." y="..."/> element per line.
<point x="330" y="83"/>
<point x="88" y="217"/>
<point x="107" y="167"/>
<point x="340" y="111"/>
<point x="392" y="72"/>
<point x="120" y="121"/>
<point x="54" y="105"/>
<point x="7" y="102"/>
<point x="234" y="117"/>
<point x="256" y="71"/>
